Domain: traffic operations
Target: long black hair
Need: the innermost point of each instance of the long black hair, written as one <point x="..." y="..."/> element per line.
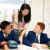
<point x="27" y="18"/>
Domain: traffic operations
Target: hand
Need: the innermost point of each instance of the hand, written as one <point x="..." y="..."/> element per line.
<point x="21" y="39"/>
<point x="6" y="47"/>
<point x="3" y="43"/>
<point x="44" y="46"/>
<point x="34" y="45"/>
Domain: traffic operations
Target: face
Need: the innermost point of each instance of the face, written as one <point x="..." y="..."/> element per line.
<point x="37" y="29"/>
<point x="25" y="12"/>
<point x="7" y="30"/>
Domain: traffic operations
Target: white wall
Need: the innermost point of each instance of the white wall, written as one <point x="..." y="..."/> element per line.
<point x="47" y="16"/>
<point x="37" y="13"/>
<point x="37" y="8"/>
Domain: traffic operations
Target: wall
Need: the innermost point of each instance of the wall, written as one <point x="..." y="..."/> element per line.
<point x="47" y="16"/>
<point x="37" y="8"/>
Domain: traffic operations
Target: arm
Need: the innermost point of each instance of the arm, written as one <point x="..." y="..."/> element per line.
<point x="27" y="40"/>
<point x="15" y="38"/>
<point x="14" y="16"/>
<point x="25" y="29"/>
<point x="3" y="43"/>
<point x="45" y="43"/>
<point x="44" y="46"/>
<point x="21" y="37"/>
<point x="1" y="40"/>
<point x="0" y="43"/>
<point x="48" y="39"/>
<point x="23" y="32"/>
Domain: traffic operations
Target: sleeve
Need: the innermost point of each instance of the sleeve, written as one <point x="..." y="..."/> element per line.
<point x="15" y="12"/>
<point x="26" y="40"/>
<point x="15" y="38"/>
<point x="46" y="39"/>
<point x="0" y="43"/>
<point x="0" y="40"/>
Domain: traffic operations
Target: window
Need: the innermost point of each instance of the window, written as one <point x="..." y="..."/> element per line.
<point x="30" y="3"/>
<point x="7" y="7"/>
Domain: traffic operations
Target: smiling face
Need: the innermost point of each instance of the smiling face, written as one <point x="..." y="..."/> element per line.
<point x="40" y="26"/>
<point x="37" y="29"/>
<point x="25" y="12"/>
<point x="7" y="30"/>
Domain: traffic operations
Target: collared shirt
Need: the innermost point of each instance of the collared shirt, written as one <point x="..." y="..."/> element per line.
<point x="5" y="35"/>
<point x="38" y="38"/>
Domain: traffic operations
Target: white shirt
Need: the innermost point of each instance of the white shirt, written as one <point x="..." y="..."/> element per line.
<point x="5" y="35"/>
<point x="38" y="37"/>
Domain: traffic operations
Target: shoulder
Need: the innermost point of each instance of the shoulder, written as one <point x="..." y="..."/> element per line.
<point x="1" y="33"/>
<point x="31" y="32"/>
<point x="44" y="34"/>
<point x="12" y="32"/>
<point x="16" y="12"/>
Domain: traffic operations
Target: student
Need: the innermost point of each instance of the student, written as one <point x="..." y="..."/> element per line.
<point x="37" y="36"/>
<point x="21" y="20"/>
<point x="6" y="34"/>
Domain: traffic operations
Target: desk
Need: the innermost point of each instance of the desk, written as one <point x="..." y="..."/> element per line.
<point x="2" y="48"/>
<point x="10" y="49"/>
<point x="20" y="47"/>
<point x="24" y="47"/>
<point x="15" y="49"/>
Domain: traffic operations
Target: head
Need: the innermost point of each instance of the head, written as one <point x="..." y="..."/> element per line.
<point x="5" y="27"/>
<point x="25" y="11"/>
<point x="39" y="27"/>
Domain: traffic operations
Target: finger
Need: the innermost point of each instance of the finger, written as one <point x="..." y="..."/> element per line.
<point x="33" y="46"/>
<point x="21" y="42"/>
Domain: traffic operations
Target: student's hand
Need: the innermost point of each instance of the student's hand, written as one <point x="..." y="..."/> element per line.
<point x="34" y="45"/>
<point x="3" y="43"/>
<point x="44" y="46"/>
<point x="21" y="39"/>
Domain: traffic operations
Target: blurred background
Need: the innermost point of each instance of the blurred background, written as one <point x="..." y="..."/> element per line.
<point x="40" y="12"/>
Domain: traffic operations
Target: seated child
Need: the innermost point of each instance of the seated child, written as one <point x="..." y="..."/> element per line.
<point x="37" y="36"/>
<point x="6" y="33"/>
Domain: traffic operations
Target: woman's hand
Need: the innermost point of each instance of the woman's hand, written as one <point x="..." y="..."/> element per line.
<point x="21" y="39"/>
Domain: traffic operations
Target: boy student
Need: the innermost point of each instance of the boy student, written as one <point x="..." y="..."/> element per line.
<point x="6" y="33"/>
<point x="37" y="36"/>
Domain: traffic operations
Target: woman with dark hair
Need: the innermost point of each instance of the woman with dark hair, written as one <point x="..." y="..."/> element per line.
<point x="21" y="20"/>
